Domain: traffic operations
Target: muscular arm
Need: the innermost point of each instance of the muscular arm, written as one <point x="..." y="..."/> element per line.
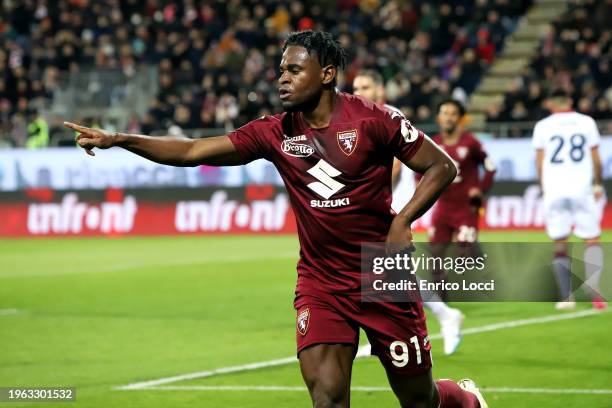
<point x="214" y="151"/>
<point x="438" y="171"/>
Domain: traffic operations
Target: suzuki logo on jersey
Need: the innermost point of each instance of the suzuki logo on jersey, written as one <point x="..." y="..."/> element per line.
<point x="289" y="147"/>
<point x="462" y="152"/>
<point x="326" y="186"/>
<point x="338" y="202"/>
<point x="347" y="141"/>
<point x="303" y="319"/>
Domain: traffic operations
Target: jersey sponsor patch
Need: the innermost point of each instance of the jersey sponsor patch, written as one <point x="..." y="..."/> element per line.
<point x="298" y="138"/>
<point x="296" y="149"/>
<point x="409" y="133"/>
<point x="462" y="152"/>
<point x="394" y="112"/>
<point x="347" y="141"/>
<point x="339" y="202"/>
<point x="303" y="318"/>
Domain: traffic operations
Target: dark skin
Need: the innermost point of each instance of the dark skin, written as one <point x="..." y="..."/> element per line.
<point x="304" y="85"/>
<point x="307" y="87"/>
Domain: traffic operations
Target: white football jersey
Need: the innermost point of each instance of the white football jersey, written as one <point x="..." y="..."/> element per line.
<point x="567" y="139"/>
<point x="402" y="193"/>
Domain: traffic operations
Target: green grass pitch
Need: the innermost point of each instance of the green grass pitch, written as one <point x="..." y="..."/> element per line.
<point x="100" y="313"/>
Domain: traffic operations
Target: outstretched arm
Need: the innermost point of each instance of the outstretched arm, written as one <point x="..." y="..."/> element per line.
<point x="175" y="151"/>
<point x="438" y="171"/>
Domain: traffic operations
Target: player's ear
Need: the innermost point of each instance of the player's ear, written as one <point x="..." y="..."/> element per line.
<point x="328" y="74"/>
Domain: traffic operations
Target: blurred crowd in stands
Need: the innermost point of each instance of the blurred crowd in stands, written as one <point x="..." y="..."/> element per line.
<point x="575" y="55"/>
<point x="217" y="60"/>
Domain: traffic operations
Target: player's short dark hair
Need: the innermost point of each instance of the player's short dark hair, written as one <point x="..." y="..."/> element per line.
<point x="328" y="49"/>
<point x="452" y="101"/>
<point x="372" y="73"/>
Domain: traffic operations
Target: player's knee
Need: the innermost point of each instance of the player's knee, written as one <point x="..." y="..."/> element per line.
<point x="328" y="393"/>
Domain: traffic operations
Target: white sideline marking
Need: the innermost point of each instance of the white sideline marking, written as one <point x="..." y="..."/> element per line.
<point x="526" y="322"/>
<point x="8" y="312"/>
<point x="210" y="373"/>
<point x="292" y="359"/>
<point x="275" y="388"/>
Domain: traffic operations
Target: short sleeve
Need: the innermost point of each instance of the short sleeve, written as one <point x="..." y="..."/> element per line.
<point x="594" y="136"/>
<point x="250" y="140"/>
<point x="400" y="136"/>
<point x="538" y="137"/>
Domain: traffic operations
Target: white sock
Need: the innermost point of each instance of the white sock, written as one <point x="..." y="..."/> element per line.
<point x="438" y="307"/>
<point x="593" y="267"/>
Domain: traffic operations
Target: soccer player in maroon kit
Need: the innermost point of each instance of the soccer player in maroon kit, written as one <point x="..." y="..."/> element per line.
<point x="455" y="216"/>
<point x="334" y="152"/>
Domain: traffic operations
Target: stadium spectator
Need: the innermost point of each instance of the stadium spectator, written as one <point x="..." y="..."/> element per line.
<point x="574" y="56"/>
<point x="218" y="60"/>
<point x="38" y="131"/>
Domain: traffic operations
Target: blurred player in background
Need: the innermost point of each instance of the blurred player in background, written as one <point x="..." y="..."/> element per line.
<point x="457" y="211"/>
<point x="334" y="152"/>
<point x="569" y="169"/>
<point x="370" y="85"/>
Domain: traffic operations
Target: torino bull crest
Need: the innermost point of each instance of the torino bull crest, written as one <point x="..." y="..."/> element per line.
<point x="303" y="319"/>
<point x="347" y="141"/>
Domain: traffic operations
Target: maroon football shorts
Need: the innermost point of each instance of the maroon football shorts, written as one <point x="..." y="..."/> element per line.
<point x="396" y="331"/>
<point x="461" y="222"/>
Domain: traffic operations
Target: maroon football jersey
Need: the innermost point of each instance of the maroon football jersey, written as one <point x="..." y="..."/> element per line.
<point x="468" y="155"/>
<point x="338" y="179"/>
